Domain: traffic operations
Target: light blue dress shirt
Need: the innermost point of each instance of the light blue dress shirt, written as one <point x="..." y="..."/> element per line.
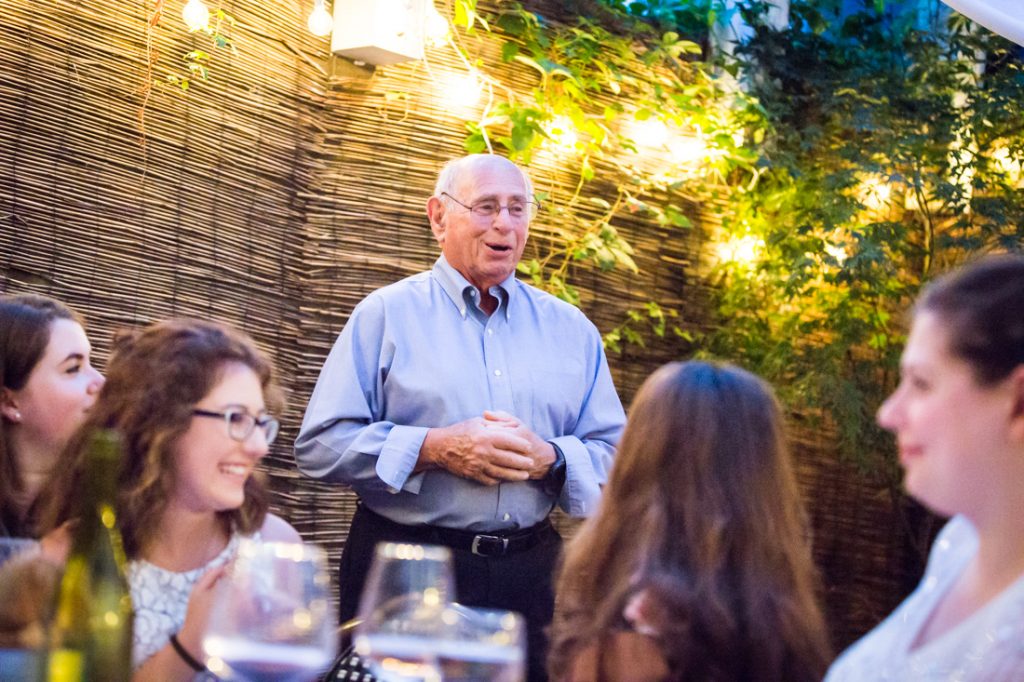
<point x="420" y="354"/>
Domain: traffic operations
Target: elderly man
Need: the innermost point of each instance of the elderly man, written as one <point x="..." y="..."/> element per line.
<point x="461" y="405"/>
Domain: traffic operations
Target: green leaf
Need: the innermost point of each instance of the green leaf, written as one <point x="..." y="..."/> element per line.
<point x="509" y="51"/>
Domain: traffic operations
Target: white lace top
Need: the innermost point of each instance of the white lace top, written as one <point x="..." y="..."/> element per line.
<point x="986" y="647"/>
<point x="160" y="599"/>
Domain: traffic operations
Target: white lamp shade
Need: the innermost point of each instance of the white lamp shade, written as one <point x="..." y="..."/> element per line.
<point x="379" y="32"/>
<point x="1005" y="17"/>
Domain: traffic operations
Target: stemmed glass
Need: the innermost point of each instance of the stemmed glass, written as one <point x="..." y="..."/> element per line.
<point x="411" y="629"/>
<point x="406" y="591"/>
<point x="272" y="618"/>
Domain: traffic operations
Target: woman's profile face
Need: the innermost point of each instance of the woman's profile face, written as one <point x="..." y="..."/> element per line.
<point x="60" y="389"/>
<point x="953" y="434"/>
<point x="212" y="464"/>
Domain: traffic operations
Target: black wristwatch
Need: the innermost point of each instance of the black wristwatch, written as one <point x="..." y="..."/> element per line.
<point x="555" y="478"/>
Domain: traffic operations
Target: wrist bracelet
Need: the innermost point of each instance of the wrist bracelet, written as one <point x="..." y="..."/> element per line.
<point x="185" y="655"/>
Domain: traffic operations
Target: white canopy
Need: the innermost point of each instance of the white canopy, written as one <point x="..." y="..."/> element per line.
<point x="1005" y="17"/>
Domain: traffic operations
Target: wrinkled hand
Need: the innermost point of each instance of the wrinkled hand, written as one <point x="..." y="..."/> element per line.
<point x="474" y="449"/>
<point x="541" y="452"/>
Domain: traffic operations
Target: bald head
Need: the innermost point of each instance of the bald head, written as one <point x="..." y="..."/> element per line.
<point x="455" y="172"/>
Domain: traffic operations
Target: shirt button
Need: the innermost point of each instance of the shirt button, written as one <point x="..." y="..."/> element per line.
<point x="506" y="517"/>
<point x="490" y="332"/>
<point x="497" y="372"/>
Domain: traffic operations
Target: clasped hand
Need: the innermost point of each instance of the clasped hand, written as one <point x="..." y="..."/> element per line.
<point x="488" y="449"/>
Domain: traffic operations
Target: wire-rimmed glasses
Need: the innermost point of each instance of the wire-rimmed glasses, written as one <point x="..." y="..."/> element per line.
<point x="488" y="208"/>
<point x="240" y="422"/>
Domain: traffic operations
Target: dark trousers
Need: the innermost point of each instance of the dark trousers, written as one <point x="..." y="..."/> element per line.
<point x="521" y="582"/>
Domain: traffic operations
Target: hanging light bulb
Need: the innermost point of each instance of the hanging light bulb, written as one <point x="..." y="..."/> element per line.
<point x="320" y="22"/>
<point x="462" y="91"/>
<point x="196" y="15"/>
<point x="650" y="133"/>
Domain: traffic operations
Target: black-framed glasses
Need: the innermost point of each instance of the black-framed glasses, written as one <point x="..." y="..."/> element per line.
<point x="240" y="423"/>
<point x="488" y="208"/>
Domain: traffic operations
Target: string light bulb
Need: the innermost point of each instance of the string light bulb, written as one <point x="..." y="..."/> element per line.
<point x="562" y="133"/>
<point x="650" y="133"/>
<point x="320" y="21"/>
<point x="196" y="15"/>
<point x="462" y="91"/>
<point x="742" y="250"/>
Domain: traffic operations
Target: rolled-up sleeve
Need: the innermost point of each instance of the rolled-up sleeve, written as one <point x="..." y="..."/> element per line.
<point x="343" y="437"/>
<point x="590" y="449"/>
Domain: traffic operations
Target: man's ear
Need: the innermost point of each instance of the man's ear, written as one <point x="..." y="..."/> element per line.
<point x="8" y="406"/>
<point x="436" y="213"/>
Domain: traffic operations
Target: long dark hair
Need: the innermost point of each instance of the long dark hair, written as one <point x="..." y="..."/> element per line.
<point x="25" y="323"/>
<point x="702" y="516"/>
<point x="154" y="380"/>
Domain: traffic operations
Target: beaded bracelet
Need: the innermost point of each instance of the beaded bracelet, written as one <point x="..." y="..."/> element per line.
<point x="185" y="655"/>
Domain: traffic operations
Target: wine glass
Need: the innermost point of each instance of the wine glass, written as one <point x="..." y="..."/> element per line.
<point x="272" y="619"/>
<point x="407" y="591"/>
<point x="481" y="644"/>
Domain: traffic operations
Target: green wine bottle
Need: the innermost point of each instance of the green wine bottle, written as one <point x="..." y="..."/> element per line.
<point x="91" y="631"/>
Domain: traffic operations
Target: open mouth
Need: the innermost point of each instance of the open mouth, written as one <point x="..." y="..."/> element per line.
<point x="500" y="248"/>
<point x="234" y="469"/>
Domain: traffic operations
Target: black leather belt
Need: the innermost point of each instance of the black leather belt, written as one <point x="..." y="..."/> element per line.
<point x="496" y="543"/>
<point x="493" y="543"/>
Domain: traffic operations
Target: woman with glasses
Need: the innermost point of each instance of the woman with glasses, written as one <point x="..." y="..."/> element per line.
<point x="190" y="401"/>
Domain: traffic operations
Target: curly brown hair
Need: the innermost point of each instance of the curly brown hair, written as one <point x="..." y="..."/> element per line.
<point x="702" y="517"/>
<point x="25" y="324"/>
<point x="154" y="380"/>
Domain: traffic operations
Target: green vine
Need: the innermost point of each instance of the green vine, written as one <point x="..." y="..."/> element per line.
<point x="594" y="90"/>
<point x="197" y="62"/>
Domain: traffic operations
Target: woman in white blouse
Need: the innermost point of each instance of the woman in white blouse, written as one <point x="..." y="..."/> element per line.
<point x="189" y="399"/>
<point x="958" y="417"/>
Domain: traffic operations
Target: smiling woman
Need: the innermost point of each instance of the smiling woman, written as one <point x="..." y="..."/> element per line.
<point x="47" y="385"/>
<point x="190" y="400"/>
<point x="958" y="417"/>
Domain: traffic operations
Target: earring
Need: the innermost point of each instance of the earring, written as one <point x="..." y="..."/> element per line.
<point x="17" y="416"/>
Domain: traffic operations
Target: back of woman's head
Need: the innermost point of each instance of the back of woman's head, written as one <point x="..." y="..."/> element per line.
<point x="702" y="512"/>
<point x="698" y="434"/>
<point x="982" y="309"/>
<point x="25" y="323"/>
<point x="154" y="380"/>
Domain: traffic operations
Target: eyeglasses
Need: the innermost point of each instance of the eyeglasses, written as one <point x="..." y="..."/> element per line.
<point x="240" y="423"/>
<point x="488" y="208"/>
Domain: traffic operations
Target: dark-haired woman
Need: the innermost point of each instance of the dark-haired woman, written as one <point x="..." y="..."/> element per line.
<point x="47" y="386"/>
<point x="958" y="416"/>
<point x="696" y="566"/>
<point x="190" y="400"/>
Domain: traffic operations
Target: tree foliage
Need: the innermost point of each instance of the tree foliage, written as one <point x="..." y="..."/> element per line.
<point x="893" y="151"/>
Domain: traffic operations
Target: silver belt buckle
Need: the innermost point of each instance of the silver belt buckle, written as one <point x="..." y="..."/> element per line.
<point x="475" y="547"/>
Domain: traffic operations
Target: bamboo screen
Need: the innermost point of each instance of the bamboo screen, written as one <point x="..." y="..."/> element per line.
<point x="277" y="193"/>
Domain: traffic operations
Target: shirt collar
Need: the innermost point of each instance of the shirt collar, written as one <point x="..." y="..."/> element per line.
<point x="456" y="286"/>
